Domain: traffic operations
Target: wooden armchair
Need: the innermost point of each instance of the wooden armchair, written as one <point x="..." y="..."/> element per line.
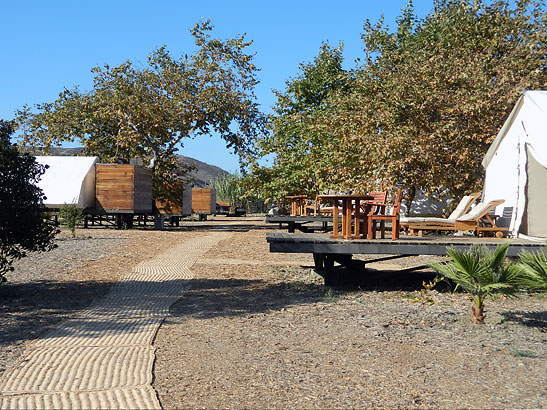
<point x="379" y="215"/>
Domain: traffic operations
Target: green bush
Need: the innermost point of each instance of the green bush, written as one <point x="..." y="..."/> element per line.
<point x="71" y="216"/>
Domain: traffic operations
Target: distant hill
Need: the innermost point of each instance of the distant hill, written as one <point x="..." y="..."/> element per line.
<point x="204" y="172"/>
<point x="202" y="175"/>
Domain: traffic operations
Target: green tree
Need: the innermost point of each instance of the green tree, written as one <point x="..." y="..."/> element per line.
<point x="232" y="188"/>
<point x="228" y="188"/>
<point x="431" y="96"/>
<point x="481" y="273"/>
<point x="303" y="154"/>
<point x="147" y="112"/>
<point x="23" y="226"/>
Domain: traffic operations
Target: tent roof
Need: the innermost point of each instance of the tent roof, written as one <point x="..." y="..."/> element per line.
<point x="62" y="181"/>
<point x="535" y="100"/>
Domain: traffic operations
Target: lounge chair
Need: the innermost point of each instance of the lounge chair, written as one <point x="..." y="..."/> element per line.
<point x="461" y="209"/>
<point x="479" y="220"/>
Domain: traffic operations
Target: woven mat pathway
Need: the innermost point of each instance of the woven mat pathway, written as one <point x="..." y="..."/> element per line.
<point x="104" y="357"/>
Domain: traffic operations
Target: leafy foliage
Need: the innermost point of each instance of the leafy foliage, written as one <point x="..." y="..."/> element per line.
<point x="534" y="266"/>
<point x="481" y="273"/>
<point x="421" y="109"/>
<point x="228" y="188"/>
<point x="71" y="216"/>
<point x="232" y="188"/>
<point x="147" y="112"/>
<point x="304" y="154"/>
<point x="22" y="215"/>
<point x="432" y="95"/>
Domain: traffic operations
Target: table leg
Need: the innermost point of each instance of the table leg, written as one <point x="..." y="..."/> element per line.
<point x="365" y="222"/>
<point x="335" y="218"/>
<point x="357" y="218"/>
<point x="348" y="212"/>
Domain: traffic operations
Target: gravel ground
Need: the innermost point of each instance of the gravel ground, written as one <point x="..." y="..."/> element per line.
<point x="270" y="335"/>
<point x="258" y="329"/>
<point x="48" y="287"/>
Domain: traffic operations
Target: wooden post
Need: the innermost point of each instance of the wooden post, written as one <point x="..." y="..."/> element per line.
<point x="357" y="218"/>
<point x="335" y="218"/>
<point x="159" y="220"/>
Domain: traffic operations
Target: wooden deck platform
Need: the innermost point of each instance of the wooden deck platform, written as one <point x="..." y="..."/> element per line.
<point x="306" y="224"/>
<point x="407" y="245"/>
<point x="327" y="251"/>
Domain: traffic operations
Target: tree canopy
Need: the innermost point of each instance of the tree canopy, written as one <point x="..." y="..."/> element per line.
<point x="22" y="215"/>
<point x="429" y="97"/>
<point x="147" y="112"/>
<point x="304" y="154"/>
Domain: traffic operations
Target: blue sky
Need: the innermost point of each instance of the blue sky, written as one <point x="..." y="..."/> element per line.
<point x="49" y="45"/>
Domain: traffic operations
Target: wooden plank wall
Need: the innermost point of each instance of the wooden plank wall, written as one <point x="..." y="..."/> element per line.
<point x="181" y="206"/>
<point x="143" y="190"/>
<point x="123" y="187"/>
<point x="203" y="200"/>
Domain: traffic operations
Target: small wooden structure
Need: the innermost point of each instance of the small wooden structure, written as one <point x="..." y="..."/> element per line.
<point x="182" y="206"/>
<point x="204" y="202"/>
<point x="123" y="188"/>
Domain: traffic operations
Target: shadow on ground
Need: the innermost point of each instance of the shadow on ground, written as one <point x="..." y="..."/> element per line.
<point x="29" y="309"/>
<point x="529" y="319"/>
<point x="209" y="298"/>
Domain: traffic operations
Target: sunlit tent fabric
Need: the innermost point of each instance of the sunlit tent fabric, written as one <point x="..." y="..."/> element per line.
<point x="516" y="167"/>
<point x="68" y="180"/>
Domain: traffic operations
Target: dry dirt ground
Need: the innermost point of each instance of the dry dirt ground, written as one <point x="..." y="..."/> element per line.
<point x="259" y="330"/>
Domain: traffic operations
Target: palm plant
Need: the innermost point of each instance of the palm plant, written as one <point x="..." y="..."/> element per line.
<point x="481" y="273"/>
<point x="534" y="270"/>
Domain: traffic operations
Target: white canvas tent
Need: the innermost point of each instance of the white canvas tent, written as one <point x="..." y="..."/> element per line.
<point x="516" y="168"/>
<point x="68" y="180"/>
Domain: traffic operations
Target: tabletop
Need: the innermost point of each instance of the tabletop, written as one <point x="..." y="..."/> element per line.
<point x="346" y="196"/>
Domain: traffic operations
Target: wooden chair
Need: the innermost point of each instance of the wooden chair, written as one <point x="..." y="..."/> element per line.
<point x="380" y="197"/>
<point x="381" y="216"/>
<point x="373" y="207"/>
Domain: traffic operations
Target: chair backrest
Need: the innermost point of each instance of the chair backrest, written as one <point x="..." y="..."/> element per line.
<point x="464" y="205"/>
<point x="396" y="210"/>
<point x="481" y="209"/>
<point x="379" y="197"/>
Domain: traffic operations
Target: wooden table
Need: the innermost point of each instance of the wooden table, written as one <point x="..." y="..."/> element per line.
<point x="298" y="203"/>
<point x="347" y="213"/>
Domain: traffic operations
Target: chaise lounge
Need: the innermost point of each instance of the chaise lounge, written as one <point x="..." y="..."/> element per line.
<point x="461" y="209"/>
<point x="477" y="220"/>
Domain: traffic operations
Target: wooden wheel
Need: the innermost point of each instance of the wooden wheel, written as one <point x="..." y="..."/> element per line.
<point x="499" y="234"/>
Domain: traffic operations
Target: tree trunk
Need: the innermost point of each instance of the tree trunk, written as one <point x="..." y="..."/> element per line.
<point x="478" y="315"/>
<point x="410" y="199"/>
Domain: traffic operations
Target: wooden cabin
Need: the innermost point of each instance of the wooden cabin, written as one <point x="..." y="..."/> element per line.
<point x="182" y="205"/>
<point x="123" y="187"/>
<point x="204" y="201"/>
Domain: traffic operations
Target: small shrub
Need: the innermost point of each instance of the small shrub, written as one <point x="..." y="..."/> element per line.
<point x="330" y="296"/>
<point x="523" y="353"/>
<point x="481" y="273"/>
<point x="424" y="297"/>
<point x="534" y="270"/>
<point x="71" y="216"/>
